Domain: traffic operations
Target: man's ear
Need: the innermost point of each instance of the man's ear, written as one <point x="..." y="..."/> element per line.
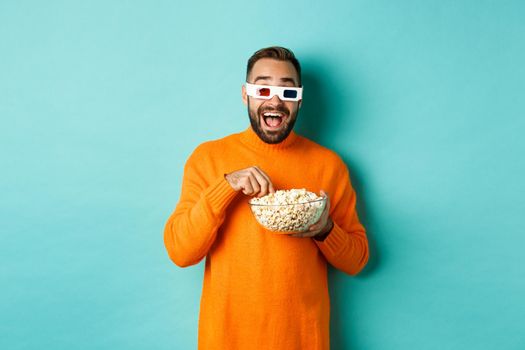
<point x="300" y="103"/>
<point x="244" y="96"/>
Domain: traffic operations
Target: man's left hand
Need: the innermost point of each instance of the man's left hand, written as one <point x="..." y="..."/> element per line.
<point x="322" y="225"/>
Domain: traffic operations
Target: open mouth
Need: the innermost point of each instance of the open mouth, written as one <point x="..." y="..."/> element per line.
<point x="273" y="120"/>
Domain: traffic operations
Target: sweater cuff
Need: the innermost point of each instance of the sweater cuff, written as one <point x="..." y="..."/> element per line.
<point x="334" y="242"/>
<point x="219" y="195"/>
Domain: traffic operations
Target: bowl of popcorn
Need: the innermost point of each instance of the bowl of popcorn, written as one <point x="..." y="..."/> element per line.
<point x="288" y="211"/>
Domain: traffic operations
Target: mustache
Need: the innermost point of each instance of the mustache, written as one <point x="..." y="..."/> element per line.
<point x="281" y="109"/>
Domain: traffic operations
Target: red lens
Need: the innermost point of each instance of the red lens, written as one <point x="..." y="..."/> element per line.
<point x="263" y="92"/>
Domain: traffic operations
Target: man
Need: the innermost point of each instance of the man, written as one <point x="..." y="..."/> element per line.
<point x="264" y="290"/>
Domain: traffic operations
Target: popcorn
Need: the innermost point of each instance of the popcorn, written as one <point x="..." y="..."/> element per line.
<point x="292" y="210"/>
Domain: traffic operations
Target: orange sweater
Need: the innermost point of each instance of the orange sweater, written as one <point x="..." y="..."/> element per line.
<point x="263" y="290"/>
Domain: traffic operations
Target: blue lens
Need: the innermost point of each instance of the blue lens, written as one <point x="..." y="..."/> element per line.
<point x="290" y="94"/>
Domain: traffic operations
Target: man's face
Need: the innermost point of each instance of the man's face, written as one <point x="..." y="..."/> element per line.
<point x="273" y="119"/>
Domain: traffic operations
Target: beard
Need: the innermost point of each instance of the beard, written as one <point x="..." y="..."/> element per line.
<point x="272" y="136"/>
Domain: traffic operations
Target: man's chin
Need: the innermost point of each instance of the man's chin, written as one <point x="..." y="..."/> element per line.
<point x="272" y="136"/>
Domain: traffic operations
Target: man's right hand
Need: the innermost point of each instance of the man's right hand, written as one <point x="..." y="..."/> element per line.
<point x="252" y="181"/>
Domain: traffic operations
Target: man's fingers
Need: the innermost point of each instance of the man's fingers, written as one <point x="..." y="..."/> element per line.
<point x="264" y="176"/>
<point x="327" y="206"/>
<point x="314" y="227"/>
<point x="271" y="188"/>
<point x="256" y="188"/>
<point x="252" y="181"/>
<point x="270" y="184"/>
<point x="246" y="186"/>
<point x="263" y="182"/>
<point x="324" y="194"/>
<point x="317" y="227"/>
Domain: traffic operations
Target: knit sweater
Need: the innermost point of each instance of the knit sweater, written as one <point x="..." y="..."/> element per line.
<point x="263" y="290"/>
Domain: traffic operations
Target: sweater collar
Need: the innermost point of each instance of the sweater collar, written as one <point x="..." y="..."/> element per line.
<point x="250" y="138"/>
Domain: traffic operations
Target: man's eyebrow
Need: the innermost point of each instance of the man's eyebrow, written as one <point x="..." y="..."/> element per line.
<point x="283" y="80"/>
<point x="288" y="80"/>
<point x="261" y="77"/>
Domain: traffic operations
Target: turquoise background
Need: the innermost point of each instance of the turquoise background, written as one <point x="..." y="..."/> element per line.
<point x="102" y="102"/>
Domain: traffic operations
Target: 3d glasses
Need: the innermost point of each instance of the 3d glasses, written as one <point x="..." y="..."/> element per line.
<point x="266" y="92"/>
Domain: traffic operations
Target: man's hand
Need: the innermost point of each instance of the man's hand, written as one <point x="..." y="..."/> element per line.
<point x="252" y="181"/>
<point x="322" y="226"/>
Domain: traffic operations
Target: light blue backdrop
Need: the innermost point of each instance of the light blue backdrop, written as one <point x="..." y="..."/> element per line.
<point x="102" y="102"/>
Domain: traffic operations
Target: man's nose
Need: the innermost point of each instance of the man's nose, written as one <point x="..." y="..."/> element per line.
<point x="275" y="100"/>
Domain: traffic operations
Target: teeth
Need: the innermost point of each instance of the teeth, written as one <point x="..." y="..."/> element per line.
<point x="269" y="114"/>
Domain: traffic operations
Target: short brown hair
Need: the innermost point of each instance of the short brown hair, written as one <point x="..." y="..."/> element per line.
<point x="275" y="52"/>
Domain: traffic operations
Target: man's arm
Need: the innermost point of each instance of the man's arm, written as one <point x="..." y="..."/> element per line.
<point x="345" y="246"/>
<point x="192" y="227"/>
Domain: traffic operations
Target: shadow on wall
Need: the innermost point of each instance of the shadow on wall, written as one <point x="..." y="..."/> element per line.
<point x="325" y="95"/>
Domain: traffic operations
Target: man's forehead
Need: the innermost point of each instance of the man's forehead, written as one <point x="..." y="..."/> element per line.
<point x="277" y="71"/>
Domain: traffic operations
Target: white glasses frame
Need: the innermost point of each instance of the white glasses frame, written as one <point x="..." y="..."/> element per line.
<point x="251" y="90"/>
